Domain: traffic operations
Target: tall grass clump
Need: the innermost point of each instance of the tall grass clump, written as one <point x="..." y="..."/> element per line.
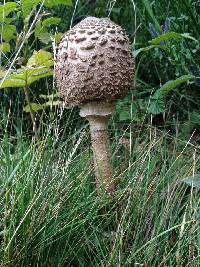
<point x="52" y="216"/>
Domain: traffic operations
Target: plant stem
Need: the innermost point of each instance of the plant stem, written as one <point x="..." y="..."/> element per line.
<point x="27" y="97"/>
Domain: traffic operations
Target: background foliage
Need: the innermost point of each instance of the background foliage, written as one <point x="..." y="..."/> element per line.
<point x="165" y="41"/>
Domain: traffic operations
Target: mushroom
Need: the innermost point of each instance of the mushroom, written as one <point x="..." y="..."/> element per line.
<point x="94" y="67"/>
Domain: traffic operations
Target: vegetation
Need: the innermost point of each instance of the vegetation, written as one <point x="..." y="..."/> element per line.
<point x="50" y="213"/>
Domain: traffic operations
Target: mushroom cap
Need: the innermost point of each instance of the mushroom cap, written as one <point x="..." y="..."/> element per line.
<point x="94" y="62"/>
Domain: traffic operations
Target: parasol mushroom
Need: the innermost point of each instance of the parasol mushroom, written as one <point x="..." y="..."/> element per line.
<point x="94" y="67"/>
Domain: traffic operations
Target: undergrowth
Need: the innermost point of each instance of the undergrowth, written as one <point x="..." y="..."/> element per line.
<point x="51" y="214"/>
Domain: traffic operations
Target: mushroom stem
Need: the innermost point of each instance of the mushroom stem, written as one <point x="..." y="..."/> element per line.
<point x="101" y="153"/>
<point x="98" y="115"/>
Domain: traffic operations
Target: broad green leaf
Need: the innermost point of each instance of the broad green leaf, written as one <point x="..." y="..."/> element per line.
<point x="195" y="117"/>
<point x="42" y="33"/>
<point x="169" y="36"/>
<point x="34" y="106"/>
<point x="28" y="5"/>
<point x="170" y="85"/>
<point x="36" y="74"/>
<point x="51" y="3"/>
<point x="6" y="9"/>
<point x="41" y="58"/>
<point x="157" y="104"/>
<point x="8" y="20"/>
<point x="42" y="29"/>
<point x="13" y="80"/>
<point x="5" y="47"/>
<point x="51" y="21"/>
<point x="25" y="77"/>
<point x="124" y="115"/>
<point x="44" y="36"/>
<point x="8" y="32"/>
<point x="193" y="181"/>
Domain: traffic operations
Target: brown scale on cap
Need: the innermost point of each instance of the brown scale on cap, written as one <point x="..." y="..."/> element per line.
<point x="95" y="58"/>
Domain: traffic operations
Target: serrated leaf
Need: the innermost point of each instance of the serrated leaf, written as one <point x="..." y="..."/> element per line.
<point x="51" y="3"/>
<point x="193" y="181"/>
<point x="8" y="32"/>
<point x="169" y="36"/>
<point x="40" y="58"/>
<point x="5" y="47"/>
<point x="6" y="9"/>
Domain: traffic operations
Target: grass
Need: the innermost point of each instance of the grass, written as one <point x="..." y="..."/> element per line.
<point x="51" y="214"/>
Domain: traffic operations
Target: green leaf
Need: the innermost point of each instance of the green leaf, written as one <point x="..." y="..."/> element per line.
<point x="157" y="104"/>
<point x="170" y="85"/>
<point x="124" y="115"/>
<point x="51" y="103"/>
<point x="42" y="29"/>
<point x="51" y="3"/>
<point x="169" y="36"/>
<point x="36" y="74"/>
<point x="38" y="67"/>
<point x="5" y="47"/>
<point x="25" y="77"/>
<point x="58" y="37"/>
<point x="28" y="5"/>
<point x="50" y="97"/>
<point x="193" y="181"/>
<point x="34" y="107"/>
<point x="146" y="49"/>
<point x="41" y="58"/>
<point x="8" y="32"/>
<point x="51" y="21"/>
<point x="13" y="80"/>
<point x="6" y="9"/>
<point x="44" y="37"/>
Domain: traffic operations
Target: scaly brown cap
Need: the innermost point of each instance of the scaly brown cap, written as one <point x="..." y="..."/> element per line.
<point x="94" y="62"/>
